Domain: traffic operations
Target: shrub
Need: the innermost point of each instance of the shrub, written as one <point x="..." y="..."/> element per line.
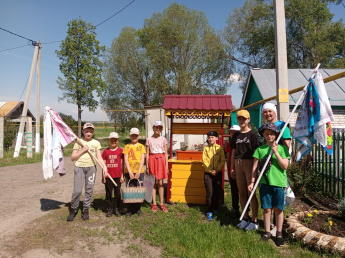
<point x="10" y="132"/>
<point x="303" y="178"/>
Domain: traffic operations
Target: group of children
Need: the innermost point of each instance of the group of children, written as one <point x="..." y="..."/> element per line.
<point x="125" y="165"/>
<point x="244" y="155"/>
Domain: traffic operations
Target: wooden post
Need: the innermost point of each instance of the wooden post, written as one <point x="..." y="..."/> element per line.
<point x="25" y="108"/>
<point x="28" y="137"/>
<point x="2" y="129"/>
<point x="281" y="61"/>
<point x="38" y="116"/>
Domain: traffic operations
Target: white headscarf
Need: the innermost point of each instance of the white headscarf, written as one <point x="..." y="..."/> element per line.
<point x="269" y="106"/>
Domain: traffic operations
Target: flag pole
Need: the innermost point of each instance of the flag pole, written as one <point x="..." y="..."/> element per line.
<point x="280" y="135"/>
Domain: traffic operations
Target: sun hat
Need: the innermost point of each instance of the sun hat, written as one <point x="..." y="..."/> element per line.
<point x="113" y="135"/>
<point x="269" y="106"/>
<point x="234" y="128"/>
<point x="268" y="126"/>
<point x="134" y="130"/>
<point x="243" y="113"/>
<point x="212" y="133"/>
<point x="158" y="123"/>
<point x="88" y="125"/>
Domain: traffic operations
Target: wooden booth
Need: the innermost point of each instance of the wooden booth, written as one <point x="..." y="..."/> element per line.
<point x="186" y="172"/>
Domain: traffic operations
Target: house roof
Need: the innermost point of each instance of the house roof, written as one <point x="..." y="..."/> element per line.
<point x="265" y="80"/>
<point x="198" y="102"/>
<point x="13" y="110"/>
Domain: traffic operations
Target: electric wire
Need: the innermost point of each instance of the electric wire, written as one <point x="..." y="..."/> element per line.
<point x="116" y="13"/>
<point x="24" y="87"/>
<point x="14" y="48"/>
<point x="33" y="42"/>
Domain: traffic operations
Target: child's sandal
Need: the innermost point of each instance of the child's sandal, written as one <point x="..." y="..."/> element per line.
<point x="163" y="208"/>
<point x="154" y="207"/>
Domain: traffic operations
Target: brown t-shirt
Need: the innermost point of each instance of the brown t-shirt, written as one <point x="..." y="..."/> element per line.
<point x="244" y="144"/>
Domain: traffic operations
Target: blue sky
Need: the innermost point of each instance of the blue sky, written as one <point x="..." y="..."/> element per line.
<point x="47" y="21"/>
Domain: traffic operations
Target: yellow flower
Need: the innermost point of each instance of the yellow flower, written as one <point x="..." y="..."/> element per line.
<point x="310" y="215"/>
<point x="330" y="223"/>
<point x="315" y="211"/>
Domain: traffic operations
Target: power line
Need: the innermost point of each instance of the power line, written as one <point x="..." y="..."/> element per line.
<point x="24" y="88"/>
<point x="34" y="43"/>
<point x="116" y="13"/>
<point x="14" y="48"/>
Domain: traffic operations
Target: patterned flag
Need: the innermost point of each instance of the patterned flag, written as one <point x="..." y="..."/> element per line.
<point x="63" y="132"/>
<point x="313" y="120"/>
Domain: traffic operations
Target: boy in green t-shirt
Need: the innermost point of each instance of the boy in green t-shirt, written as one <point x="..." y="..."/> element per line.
<point x="85" y="171"/>
<point x="273" y="182"/>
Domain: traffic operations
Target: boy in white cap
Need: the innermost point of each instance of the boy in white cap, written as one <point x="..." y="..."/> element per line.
<point x="85" y="171"/>
<point x="112" y="157"/>
<point x="134" y="157"/>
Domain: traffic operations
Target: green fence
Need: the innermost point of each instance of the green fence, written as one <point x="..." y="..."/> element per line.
<point x="332" y="166"/>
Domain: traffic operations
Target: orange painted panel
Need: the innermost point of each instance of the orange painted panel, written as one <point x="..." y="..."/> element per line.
<point x="188" y="191"/>
<point x="187" y="182"/>
<point x="187" y="174"/>
<point x="188" y="199"/>
<point x="188" y="167"/>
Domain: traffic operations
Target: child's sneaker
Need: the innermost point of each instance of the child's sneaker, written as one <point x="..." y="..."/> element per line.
<point x="215" y="212"/>
<point x="72" y="214"/>
<point x="252" y="226"/>
<point x="85" y="215"/>
<point x="154" y="207"/>
<point x="280" y="241"/>
<point x="243" y="224"/>
<point x="274" y="231"/>
<point x="109" y="213"/>
<point x="265" y="237"/>
<point x="209" y="216"/>
<point x="117" y="213"/>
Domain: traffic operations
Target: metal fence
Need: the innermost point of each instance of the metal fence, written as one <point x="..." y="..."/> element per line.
<point x="332" y="166"/>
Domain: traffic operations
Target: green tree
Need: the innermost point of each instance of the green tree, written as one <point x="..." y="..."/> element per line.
<point x="312" y="36"/>
<point x="176" y="52"/>
<point x="81" y="67"/>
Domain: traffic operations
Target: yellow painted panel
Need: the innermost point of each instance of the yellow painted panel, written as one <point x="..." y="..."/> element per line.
<point x="187" y="182"/>
<point x="188" y="191"/>
<point x="188" y="167"/>
<point x="188" y="199"/>
<point x="187" y="174"/>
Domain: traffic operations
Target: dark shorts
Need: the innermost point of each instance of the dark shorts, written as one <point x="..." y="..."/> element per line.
<point x="272" y="196"/>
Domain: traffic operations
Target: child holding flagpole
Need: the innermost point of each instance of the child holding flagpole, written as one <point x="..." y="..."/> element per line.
<point x="85" y="171"/>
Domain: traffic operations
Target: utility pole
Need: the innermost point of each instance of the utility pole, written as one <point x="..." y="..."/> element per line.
<point x="281" y="60"/>
<point x="38" y="113"/>
<point x="26" y="102"/>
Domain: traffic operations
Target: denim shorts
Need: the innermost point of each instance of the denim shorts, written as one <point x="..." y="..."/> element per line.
<point x="272" y="196"/>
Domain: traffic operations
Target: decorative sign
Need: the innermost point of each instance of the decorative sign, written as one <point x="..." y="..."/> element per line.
<point x="283" y="95"/>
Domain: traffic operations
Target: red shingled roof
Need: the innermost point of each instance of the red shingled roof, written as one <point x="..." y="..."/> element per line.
<point x="198" y="102"/>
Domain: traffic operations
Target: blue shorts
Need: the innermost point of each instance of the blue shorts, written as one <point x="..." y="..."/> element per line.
<point x="272" y="196"/>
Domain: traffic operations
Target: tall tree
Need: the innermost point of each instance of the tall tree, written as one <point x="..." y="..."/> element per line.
<point x="312" y="36"/>
<point x="176" y="52"/>
<point x="81" y="67"/>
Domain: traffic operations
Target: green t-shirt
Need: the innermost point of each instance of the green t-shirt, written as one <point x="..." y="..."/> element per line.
<point x="276" y="175"/>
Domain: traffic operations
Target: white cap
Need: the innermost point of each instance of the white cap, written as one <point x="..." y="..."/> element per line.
<point x="113" y="135"/>
<point x="269" y="106"/>
<point x="88" y="125"/>
<point x="235" y="128"/>
<point x="158" y="123"/>
<point x="134" y="131"/>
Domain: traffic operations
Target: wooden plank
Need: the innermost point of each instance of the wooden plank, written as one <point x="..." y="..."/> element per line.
<point x="187" y="174"/>
<point x="196" y="128"/>
<point x="188" y="199"/>
<point x="187" y="182"/>
<point x="188" y="167"/>
<point x="197" y="191"/>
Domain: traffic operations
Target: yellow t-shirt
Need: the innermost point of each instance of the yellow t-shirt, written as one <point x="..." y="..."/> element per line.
<point x="134" y="156"/>
<point x="86" y="160"/>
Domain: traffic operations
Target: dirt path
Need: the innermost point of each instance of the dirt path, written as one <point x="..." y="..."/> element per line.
<point x="26" y="196"/>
